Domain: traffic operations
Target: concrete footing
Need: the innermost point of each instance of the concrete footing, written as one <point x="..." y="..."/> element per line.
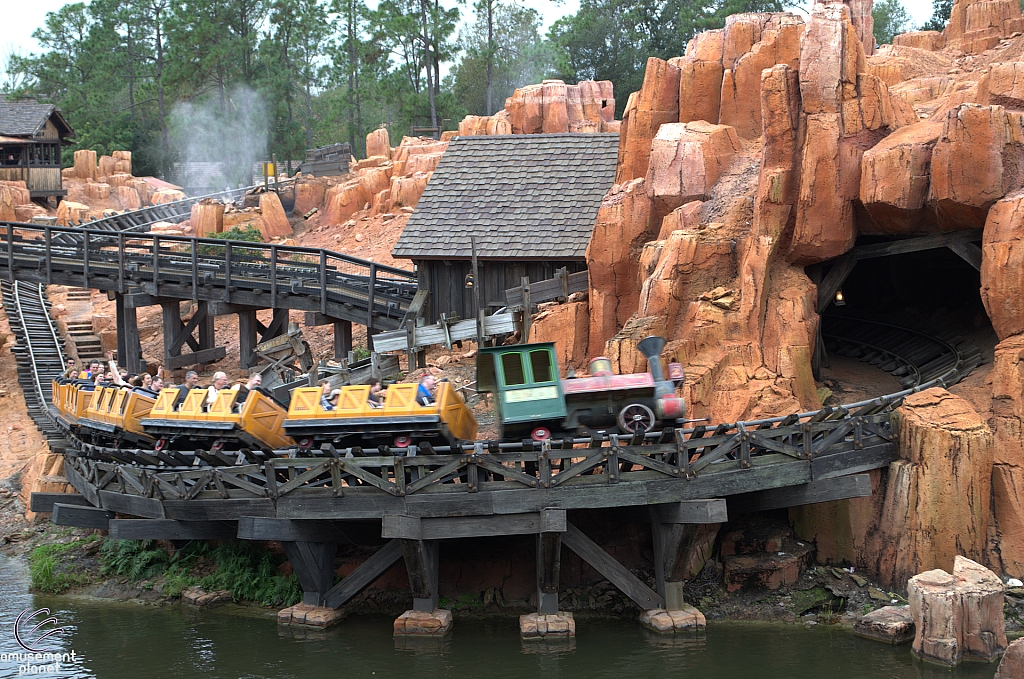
<point x="685" y="619"/>
<point x="195" y="596"/>
<point x="433" y="623"/>
<point x="891" y="624"/>
<point x="540" y="626"/>
<point x="312" y="616"/>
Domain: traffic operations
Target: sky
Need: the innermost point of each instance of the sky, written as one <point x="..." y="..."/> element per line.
<point x="22" y="18"/>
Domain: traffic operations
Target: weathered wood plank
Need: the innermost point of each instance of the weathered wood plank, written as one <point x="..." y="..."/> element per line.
<point x="825" y="490"/>
<point x="135" y="505"/>
<point x="217" y="510"/>
<point x="81" y="517"/>
<point x="854" y="461"/>
<point x="416" y="528"/>
<point x="43" y="502"/>
<point x="692" y="511"/>
<point x="168" y="529"/>
<point x="264" y="528"/>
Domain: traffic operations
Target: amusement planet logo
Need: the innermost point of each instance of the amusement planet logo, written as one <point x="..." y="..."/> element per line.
<point x="35" y="631"/>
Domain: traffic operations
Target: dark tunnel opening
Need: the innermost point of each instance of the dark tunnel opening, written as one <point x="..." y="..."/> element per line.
<point x="934" y="293"/>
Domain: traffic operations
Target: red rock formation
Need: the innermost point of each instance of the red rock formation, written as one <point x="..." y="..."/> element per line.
<point x="342" y="201"/>
<point x="686" y="161"/>
<point x="937" y="500"/>
<point x="7" y="204"/>
<point x="975" y="26"/>
<point x="895" y="178"/>
<point x="378" y="144"/>
<point x="623" y="226"/>
<point x="566" y="325"/>
<point x="1005" y="85"/>
<point x="275" y="221"/>
<point x="207" y="218"/>
<point x="656" y="103"/>
<point x="71" y="214"/>
<point x="1002" y="266"/>
<point x="309" y="193"/>
<point x="85" y="164"/>
<point x="988" y="140"/>
<point x="926" y="40"/>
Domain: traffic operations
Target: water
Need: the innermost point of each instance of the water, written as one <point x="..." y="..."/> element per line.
<point x="134" y="641"/>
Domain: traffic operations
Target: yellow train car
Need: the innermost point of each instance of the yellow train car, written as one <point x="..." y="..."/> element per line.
<point x="401" y="422"/>
<point x="256" y="423"/>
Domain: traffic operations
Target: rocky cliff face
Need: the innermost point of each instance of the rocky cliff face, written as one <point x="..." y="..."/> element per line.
<point x="772" y="144"/>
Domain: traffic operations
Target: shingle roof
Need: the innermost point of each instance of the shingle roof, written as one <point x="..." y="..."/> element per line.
<point x="523" y="196"/>
<point x="25" y="117"/>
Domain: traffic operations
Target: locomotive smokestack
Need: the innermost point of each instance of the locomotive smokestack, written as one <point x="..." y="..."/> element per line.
<point x="651" y="348"/>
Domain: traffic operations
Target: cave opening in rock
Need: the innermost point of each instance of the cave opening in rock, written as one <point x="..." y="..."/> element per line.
<point x="934" y="293"/>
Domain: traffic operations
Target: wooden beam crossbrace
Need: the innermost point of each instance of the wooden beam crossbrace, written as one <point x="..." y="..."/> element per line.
<point x="81" y="517"/>
<point x="363" y="575"/>
<point x="620" y="576"/>
<point x="313" y="563"/>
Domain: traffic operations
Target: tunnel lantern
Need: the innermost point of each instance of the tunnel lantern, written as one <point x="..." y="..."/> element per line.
<point x="469" y="280"/>
<point x="840" y="300"/>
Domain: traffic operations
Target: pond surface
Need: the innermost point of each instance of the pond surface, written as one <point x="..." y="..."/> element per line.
<point x="135" y="641"/>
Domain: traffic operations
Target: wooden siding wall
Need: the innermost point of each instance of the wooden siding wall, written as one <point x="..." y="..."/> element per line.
<point x="45" y="179"/>
<point x="49" y="132"/>
<point x="13" y="174"/>
<point x="446" y="281"/>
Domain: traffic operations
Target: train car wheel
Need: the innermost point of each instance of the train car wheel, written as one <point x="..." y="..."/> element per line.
<point x="403" y="441"/>
<point x="634" y="417"/>
<point x="305" y="445"/>
<point x="540" y="434"/>
<point x="160" y="445"/>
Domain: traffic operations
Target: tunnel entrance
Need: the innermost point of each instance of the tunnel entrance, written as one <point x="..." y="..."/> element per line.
<point x="895" y="314"/>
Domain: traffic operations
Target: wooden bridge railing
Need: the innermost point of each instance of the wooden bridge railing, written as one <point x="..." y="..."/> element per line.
<point x="673" y="454"/>
<point x="233" y="272"/>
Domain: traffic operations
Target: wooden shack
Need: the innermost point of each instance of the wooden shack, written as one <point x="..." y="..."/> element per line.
<point x="530" y="201"/>
<point x="31" y="134"/>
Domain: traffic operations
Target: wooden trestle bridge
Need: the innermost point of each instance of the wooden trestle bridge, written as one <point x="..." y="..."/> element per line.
<point x="679" y="477"/>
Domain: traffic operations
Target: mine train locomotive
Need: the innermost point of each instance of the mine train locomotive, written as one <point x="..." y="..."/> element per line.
<point x="532" y="403"/>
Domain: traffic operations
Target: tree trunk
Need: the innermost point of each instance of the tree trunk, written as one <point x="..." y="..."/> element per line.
<point x="427" y="62"/>
<point x="490" y="54"/>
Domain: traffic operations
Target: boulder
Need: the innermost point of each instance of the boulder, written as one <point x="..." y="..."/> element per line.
<point x="7" y="213"/>
<point x="687" y="160"/>
<point x="1002" y="265"/>
<point x="957" y="616"/>
<point x="894" y="182"/>
<point x="622" y="227"/>
<point x="342" y="201"/>
<point x="406" y="191"/>
<point x="107" y="165"/>
<point x="766" y="570"/>
<point x="1005" y="85"/>
<point x="97" y="192"/>
<point x="18" y="191"/>
<point x="71" y="214"/>
<point x="85" y="164"/>
<point x="378" y="143"/>
<point x="309" y="194"/>
<point x="275" y="221"/>
<point x="162" y="196"/>
<point x="124" y="161"/>
<point x="567" y="326"/>
<point x="977" y="160"/>
<point x="1012" y="664"/>
<point x="937" y="501"/>
<point x="925" y="40"/>
<point x="540" y="626"/>
<point x="28" y="212"/>
<point x="891" y="624"/>
<point x="196" y="596"/>
<point x="656" y="103"/>
<point x="129" y="198"/>
<point x="207" y="218"/>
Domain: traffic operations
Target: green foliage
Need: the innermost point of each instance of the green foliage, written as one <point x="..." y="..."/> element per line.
<point x="891" y="19"/>
<point x="250" y="573"/>
<point x="53" y="568"/>
<point x="134" y="559"/>
<point x="941" y="9"/>
<point x="250" y="234"/>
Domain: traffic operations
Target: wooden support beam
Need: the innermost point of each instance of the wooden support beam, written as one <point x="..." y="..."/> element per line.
<point x="168" y="529"/>
<point x="43" y="502"/>
<point x="824" y="490"/>
<point x="421" y="562"/>
<point x="342" y="339"/>
<point x="131" y="359"/>
<point x="832" y="281"/>
<point x="206" y="328"/>
<point x="364" y="574"/>
<point x="549" y="563"/>
<point x="673" y="544"/>
<point x="692" y="511"/>
<point x="416" y="528"/>
<point x="969" y="252"/>
<point x="202" y="357"/>
<point x="905" y="245"/>
<point x="247" y="339"/>
<point x="138" y="300"/>
<point x="262" y="528"/>
<point x="617" y="574"/>
<point x="313" y="564"/>
<point x="81" y="517"/>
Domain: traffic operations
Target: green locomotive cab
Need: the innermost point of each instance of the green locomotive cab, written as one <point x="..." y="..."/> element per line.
<point x="527" y="388"/>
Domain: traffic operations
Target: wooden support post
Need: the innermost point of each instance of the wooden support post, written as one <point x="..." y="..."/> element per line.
<point x="527" y="315"/>
<point x="342" y="339"/>
<point x="278" y="325"/>
<point x="313" y="563"/>
<point x="673" y="543"/>
<point x="549" y="560"/>
<point x="121" y="330"/>
<point x="172" y="326"/>
<point x="206" y="338"/>
<point x="131" y="359"/>
<point x="247" y="339"/>
<point x="421" y="561"/>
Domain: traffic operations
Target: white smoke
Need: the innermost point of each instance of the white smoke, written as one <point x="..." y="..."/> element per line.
<point x="217" y="142"/>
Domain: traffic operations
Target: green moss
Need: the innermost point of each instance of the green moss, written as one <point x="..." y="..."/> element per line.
<point x="56" y="568"/>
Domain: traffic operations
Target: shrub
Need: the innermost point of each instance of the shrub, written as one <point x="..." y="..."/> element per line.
<point x="54" y="569"/>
